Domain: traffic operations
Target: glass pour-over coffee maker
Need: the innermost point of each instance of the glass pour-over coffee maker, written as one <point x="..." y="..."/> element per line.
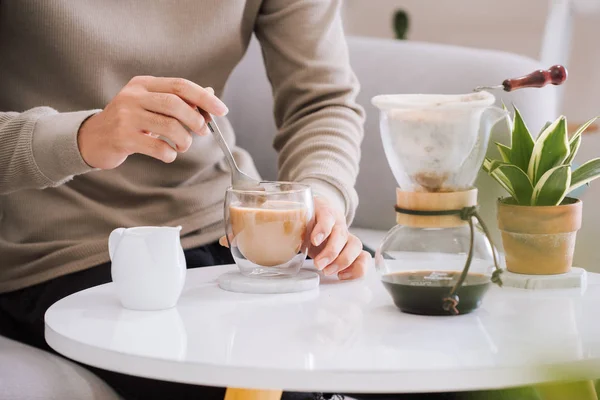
<point x="438" y="259"/>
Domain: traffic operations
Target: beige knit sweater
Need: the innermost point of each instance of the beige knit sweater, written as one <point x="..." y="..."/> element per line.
<point x="63" y="60"/>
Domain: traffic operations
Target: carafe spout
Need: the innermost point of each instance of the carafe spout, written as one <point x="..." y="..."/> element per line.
<point x="492" y="116"/>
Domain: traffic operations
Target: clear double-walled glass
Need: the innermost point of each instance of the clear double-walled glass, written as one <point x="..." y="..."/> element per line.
<point x="268" y="229"/>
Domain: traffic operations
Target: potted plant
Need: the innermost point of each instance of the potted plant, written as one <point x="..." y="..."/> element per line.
<point x="538" y="222"/>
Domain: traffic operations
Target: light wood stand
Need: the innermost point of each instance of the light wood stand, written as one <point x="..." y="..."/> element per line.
<point x="584" y="390"/>
<point x="426" y="201"/>
<point x="251" y="394"/>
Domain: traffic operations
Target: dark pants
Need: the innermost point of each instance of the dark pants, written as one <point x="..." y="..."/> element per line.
<point x="22" y="319"/>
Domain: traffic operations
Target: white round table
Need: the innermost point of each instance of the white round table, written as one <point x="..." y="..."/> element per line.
<point x="342" y="337"/>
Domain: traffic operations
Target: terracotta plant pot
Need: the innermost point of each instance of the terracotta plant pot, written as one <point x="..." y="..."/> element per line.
<point x="539" y="240"/>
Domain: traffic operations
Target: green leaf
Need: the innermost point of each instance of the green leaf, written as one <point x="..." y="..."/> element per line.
<point x="585" y="174"/>
<point x="522" y="142"/>
<point x="575" y="141"/>
<point x="550" y="150"/>
<point x="573" y="148"/>
<point x="495" y="164"/>
<point x="504" y="152"/>
<point x="582" y="129"/>
<point x="486" y="164"/>
<point x="498" y="176"/>
<point x="552" y="187"/>
<point x="546" y="125"/>
<point x="519" y="182"/>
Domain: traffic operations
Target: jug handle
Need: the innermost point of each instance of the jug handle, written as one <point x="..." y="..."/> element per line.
<point x="113" y="241"/>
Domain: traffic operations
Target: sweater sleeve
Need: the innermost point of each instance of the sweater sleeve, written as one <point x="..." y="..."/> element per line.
<point x="320" y="125"/>
<point x="38" y="148"/>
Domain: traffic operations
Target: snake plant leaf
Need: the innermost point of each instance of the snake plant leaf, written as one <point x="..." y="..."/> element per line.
<point x="487" y="162"/>
<point x="573" y="149"/>
<point x="498" y="177"/>
<point x="585" y="174"/>
<point x="504" y="152"/>
<point x="551" y="149"/>
<point x="552" y="187"/>
<point x="582" y="128"/>
<point x="575" y="141"/>
<point x="495" y="164"/>
<point x="520" y="183"/>
<point x="546" y="125"/>
<point x="522" y="142"/>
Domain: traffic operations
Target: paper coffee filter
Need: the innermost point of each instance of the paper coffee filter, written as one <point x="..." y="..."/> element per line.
<point x="433" y="101"/>
<point x="429" y="138"/>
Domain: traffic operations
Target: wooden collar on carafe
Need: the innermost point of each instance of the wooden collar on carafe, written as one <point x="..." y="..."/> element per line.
<point x="428" y="201"/>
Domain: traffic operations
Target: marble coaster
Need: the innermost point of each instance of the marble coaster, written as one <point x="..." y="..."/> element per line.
<point x="576" y="278"/>
<point x="234" y="281"/>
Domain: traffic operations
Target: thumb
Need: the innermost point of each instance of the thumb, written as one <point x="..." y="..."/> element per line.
<point x="223" y="241"/>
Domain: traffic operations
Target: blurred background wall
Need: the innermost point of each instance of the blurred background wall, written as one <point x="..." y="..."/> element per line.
<point x="516" y="26"/>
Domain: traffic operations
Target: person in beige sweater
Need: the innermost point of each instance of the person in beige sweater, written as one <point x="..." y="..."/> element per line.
<point x="85" y="88"/>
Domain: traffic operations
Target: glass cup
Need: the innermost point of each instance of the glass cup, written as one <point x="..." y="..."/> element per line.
<point x="268" y="230"/>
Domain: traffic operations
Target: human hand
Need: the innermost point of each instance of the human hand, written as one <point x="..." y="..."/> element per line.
<point x="147" y="107"/>
<point x="333" y="248"/>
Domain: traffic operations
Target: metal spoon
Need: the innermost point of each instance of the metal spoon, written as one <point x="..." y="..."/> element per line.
<point x="239" y="180"/>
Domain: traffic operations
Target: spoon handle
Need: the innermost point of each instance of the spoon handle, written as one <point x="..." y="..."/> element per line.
<point x="239" y="180"/>
<point x="216" y="132"/>
<point x="555" y="75"/>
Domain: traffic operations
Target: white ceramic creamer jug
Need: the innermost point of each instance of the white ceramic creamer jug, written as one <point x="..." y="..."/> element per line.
<point x="148" y="266"/>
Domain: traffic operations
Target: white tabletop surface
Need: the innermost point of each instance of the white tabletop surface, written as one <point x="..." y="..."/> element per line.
<point x="341" y="337"/>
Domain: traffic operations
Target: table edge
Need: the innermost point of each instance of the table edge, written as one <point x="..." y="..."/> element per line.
<point x="323" y="381"/>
